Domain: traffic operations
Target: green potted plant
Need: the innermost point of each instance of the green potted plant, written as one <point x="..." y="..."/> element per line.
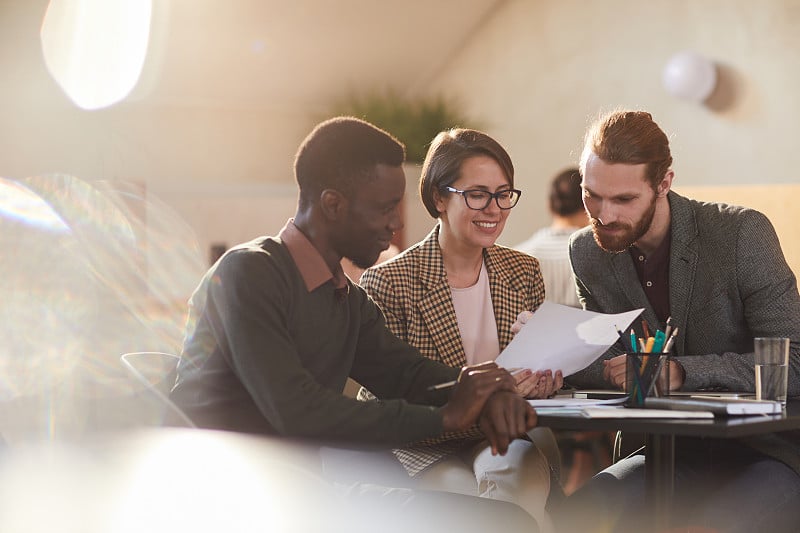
<point x="415" y="121"/>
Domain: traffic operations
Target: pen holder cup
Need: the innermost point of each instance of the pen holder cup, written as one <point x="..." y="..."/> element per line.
<point x="646" y="375"/>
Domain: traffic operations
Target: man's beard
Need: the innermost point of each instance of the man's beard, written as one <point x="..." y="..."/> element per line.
<point x="363" y="262"/>
<point x="630" y="234"/>
<point x="363" y="258"/>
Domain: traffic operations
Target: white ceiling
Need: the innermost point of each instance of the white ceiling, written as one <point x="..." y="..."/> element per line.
<point x="267" y="53"/>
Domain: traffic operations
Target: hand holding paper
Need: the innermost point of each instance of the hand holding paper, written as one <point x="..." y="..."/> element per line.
<point x="563" y="338"/>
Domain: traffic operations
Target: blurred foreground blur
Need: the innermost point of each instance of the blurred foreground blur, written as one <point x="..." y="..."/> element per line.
<point x="87" y="271"/>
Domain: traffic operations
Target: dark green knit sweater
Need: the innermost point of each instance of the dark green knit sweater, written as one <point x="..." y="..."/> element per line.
<point x="262" y="354"/>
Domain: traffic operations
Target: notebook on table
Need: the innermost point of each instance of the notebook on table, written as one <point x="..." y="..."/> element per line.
<point x="598" y="394"/>
<point x="604" y="411"/>
<point x="716" y="405"/>
<point x="607" y="394"/>
<point x="714" y="394"/>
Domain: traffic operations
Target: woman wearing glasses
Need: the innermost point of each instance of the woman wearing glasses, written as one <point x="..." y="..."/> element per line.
<point x="454" y="296"/>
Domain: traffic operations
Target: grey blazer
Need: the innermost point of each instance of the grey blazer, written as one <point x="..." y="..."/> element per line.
<point x="728" y="283"/>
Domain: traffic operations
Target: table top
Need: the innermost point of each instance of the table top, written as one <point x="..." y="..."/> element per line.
<point x="718" y="427"/>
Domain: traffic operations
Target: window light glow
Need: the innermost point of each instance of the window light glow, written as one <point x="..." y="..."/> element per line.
<point x="95" y="49"/>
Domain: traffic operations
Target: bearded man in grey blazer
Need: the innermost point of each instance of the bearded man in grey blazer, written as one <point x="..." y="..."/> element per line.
<point x="719" y="272"/>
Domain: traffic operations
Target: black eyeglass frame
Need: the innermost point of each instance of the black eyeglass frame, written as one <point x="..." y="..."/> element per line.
<point x="491" y="195"/>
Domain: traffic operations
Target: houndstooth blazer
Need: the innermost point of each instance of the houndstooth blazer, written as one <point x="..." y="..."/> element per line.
<point x="413" y="292"/>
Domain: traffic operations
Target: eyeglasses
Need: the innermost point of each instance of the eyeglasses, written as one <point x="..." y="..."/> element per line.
<point x="478" y="199"/>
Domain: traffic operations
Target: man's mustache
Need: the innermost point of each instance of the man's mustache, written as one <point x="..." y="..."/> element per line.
<point x="597" y="223"/>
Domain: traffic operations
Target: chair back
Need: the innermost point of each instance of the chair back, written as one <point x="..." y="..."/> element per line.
<point x="156" y="372"/>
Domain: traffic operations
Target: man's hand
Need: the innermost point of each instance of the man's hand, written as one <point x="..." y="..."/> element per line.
<point x="677" y="375"/>
<point x="539" y="384"/>
<point x="505" y="417"/>
<point x="475" y="385"/>
<point x="522" y="319"/>
<point x="614" y="372"/>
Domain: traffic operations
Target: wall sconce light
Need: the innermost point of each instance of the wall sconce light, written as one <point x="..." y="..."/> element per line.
<point x="95" y="49"/>
<point x="690" y="76"/>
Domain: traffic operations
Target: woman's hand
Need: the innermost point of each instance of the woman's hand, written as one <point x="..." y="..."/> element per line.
<point x="522" y="319"/>
<point x="539" y="384"/>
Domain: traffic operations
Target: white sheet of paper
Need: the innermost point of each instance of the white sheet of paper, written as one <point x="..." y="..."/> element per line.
<point x="574" y="402"/>
<point x="629" y="412"/>
<point x="564" y="338"/>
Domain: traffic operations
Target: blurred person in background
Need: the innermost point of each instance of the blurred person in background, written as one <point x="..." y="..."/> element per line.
<point x="550" y="245"/>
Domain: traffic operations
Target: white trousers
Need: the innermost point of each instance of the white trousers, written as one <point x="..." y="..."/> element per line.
<point x="522" y="476"/>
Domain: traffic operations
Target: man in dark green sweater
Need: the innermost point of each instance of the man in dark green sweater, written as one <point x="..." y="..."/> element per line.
<point x="275" y="328"/>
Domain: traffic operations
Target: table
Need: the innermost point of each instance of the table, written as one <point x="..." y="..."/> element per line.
<point x="660" y="441"/>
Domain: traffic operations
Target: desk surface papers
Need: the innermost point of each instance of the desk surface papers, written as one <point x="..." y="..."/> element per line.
<point x="564" y="338"/>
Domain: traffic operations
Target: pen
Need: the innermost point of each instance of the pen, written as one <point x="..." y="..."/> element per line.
<point x="671" y="341"/>
<point x="445" y="385"/>
<point x="668" y="329"/>
<point x="656" y="376"/>
<point x="636" y="391"/>
<point x="658" y="345"/>
<point x="623" y="339"/>
<point x="648" y="347"/>
<point x="452" y="383"/>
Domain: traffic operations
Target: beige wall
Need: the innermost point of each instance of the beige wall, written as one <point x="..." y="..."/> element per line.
<point x="778" y="202"/>
<point x="538" y="71"/>
<point x="533" y="74"/>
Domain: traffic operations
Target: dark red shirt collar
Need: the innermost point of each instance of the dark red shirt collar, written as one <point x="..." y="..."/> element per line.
<point x="309" y="261"/>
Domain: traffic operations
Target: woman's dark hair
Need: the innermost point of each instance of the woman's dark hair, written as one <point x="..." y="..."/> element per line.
<point x="447" y="153"/>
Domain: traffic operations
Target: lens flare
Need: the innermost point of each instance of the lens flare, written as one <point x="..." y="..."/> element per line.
<point x="88" y="271"/>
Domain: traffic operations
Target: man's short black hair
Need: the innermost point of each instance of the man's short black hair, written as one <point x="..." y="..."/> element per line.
<point x="339" y="153"/>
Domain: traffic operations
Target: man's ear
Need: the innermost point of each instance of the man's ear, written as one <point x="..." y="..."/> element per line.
<point x="666" y="184"/>
<point x="333" y="204"/>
